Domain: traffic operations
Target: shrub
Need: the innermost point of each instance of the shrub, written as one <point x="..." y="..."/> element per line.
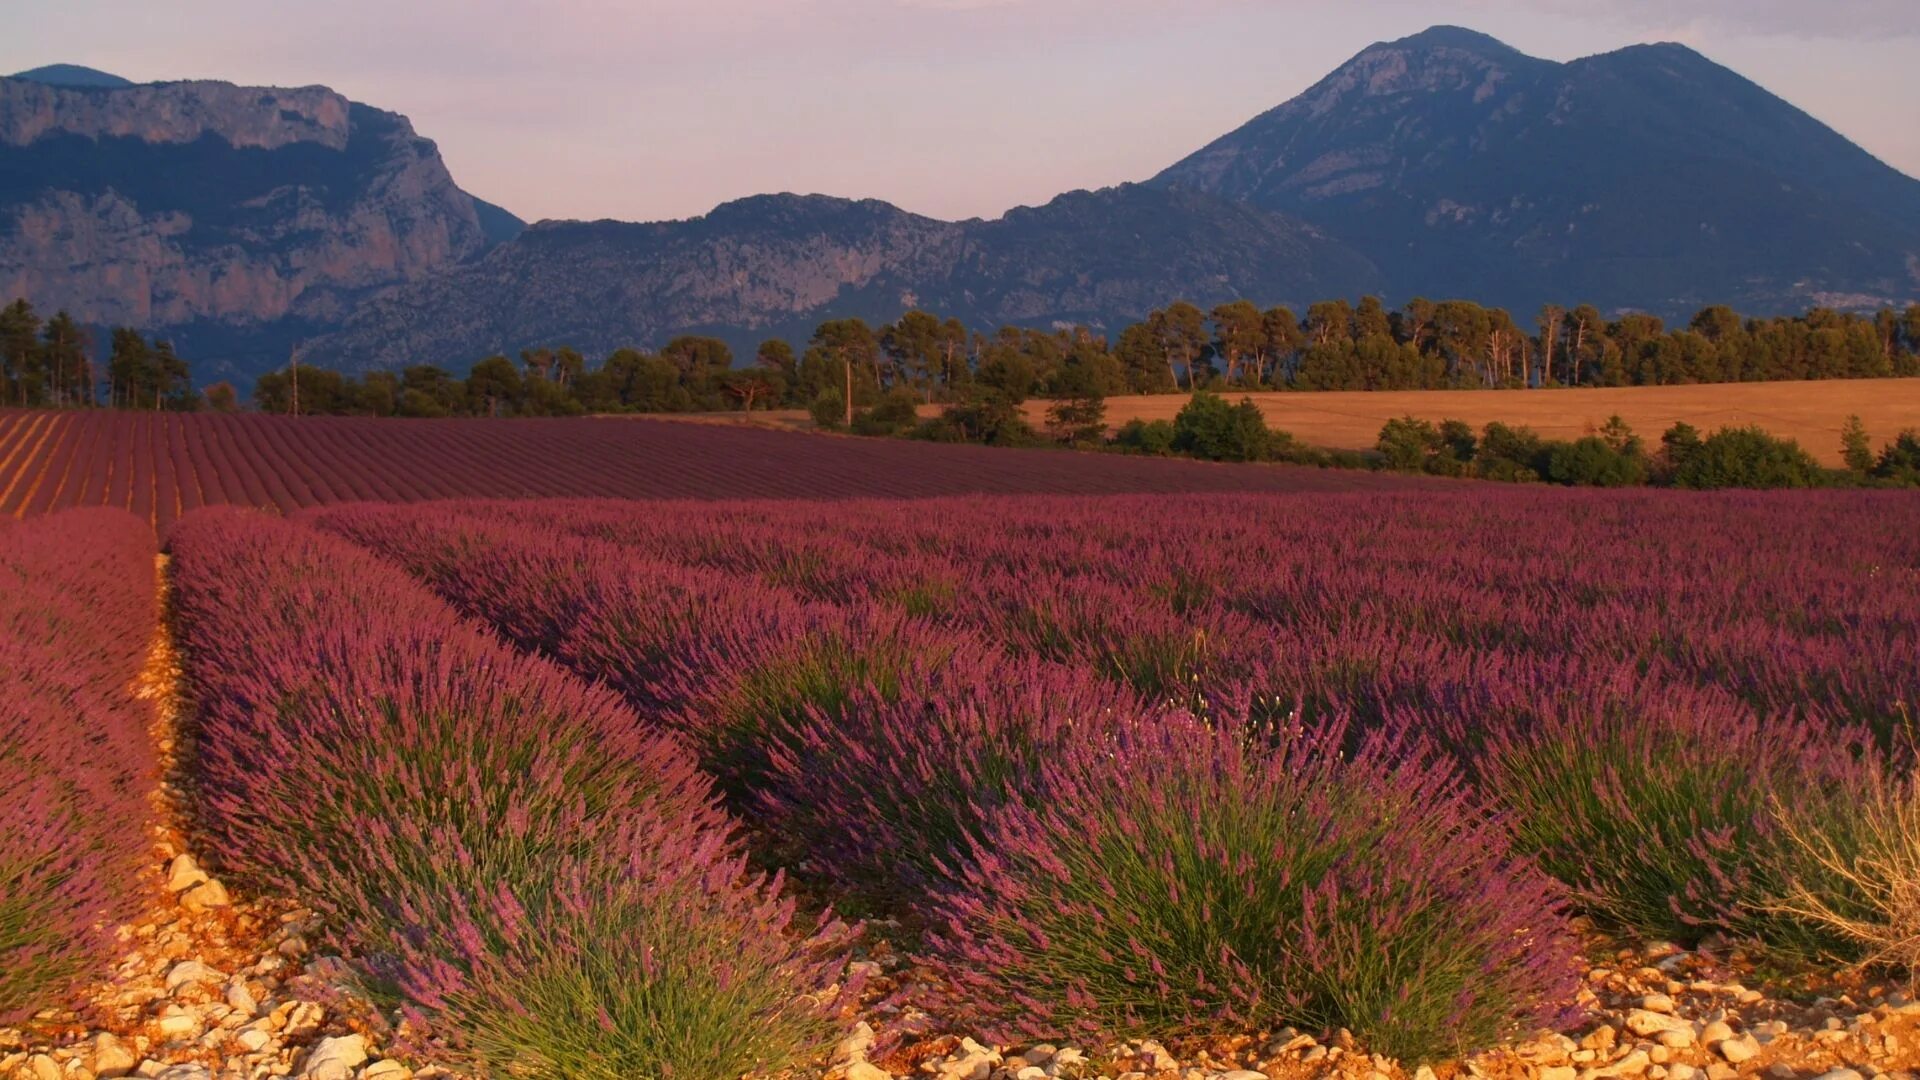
<point x="828" y="409"/>
<point x="1856" y="876"/>
<point x="1900" y="461"/>
<point x="1323" y="891"/>
<point x="1654" y="810"/>
<point x="1406" y="443"/>
<point x="886" y="792"/>
<point x="1593" y="461"/>
<point x="1209" y="428"/>
<point x="749" y="701"/>
<point x="465" y="817"/>
<point x="77" y="612"/>
<point x="895" y="413"/>
<point x="1146" y="437"/>
<point x="988" y="416"/>
<point x="1511" y="453"/>
<point x="1747" y="458"/>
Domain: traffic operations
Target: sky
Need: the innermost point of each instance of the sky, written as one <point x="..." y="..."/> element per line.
<point x="655" y="109"/>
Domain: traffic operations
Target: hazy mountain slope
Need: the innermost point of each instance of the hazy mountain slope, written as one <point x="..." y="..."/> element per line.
<point x="780" y="264"/>
<point x="1649" y="177"/>
<point x="232" y="218"/>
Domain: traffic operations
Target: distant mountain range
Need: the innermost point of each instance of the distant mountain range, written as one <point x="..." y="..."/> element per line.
<point x="243" y="220"/>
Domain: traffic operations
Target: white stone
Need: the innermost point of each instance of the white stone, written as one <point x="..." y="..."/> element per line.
<point x="1737" y="1050"/>
<point x="185" y="1072"/>
<point x="190" y="973"/>
<point x="42" y="1067"/>
<point x="111" y="1057"/>
<point x="1839" y="1074"/>
<point x="183" y="874"/>
<point x="252" y="1040"/>
<point x="241" y="999"/>
<point x="1557" y="1072"/>
<point x="1644" y="1023"/>
<point x="335" y="1058"/>
<point x="861" y="1070"/>
<point x="389" y="1069"/>
<point x="206" y="896"/>
<point x="1659" y="1003"/>
<point x="1243" y="1074"/>
<point x="1030" y="1072"/>
<point x="855" y="1046"/>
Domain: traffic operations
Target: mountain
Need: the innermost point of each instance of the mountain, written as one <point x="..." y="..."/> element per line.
<point x="1647" y="178"/>
<point x="73" y="75"/>
<point x="780" y="264"/>
<point x="234" y="219"/>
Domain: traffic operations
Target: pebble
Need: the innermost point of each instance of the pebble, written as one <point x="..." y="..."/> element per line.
<point x="1740" y="1049"/>
<point x="335" y="1058"/>
<point x="183" y="874"/>
<point x="861" y="1070"/>
<point x="206" y="896"/>
<point x="191" y="973"/>
<point x="110" y="1057"/>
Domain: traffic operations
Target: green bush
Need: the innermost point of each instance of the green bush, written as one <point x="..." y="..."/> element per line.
<point x="1747" y="458"/>
<point x="897" y="412"/>
<point x="1145" y="437"/>
<point x="1594" y="462"/>
<point x="828" y="409"/>
<point x="1209" y="428"/>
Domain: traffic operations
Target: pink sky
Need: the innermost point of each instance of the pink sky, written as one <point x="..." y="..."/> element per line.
<point x="662" y="108"/>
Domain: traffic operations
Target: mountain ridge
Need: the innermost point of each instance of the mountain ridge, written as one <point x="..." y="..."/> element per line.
<point x="1446" y="163"/>
<point x="1647" y="178"/>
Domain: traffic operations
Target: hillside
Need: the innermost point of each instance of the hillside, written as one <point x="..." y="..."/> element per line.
<point x="779" y="264"/>
<point x="234" y="219"/>
<point x="1646" y="178"/>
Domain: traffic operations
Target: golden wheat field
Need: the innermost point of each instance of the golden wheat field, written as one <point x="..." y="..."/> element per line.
<point x="1811" y="412"/>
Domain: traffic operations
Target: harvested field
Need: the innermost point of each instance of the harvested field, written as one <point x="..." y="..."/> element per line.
<point x="1810" y="412"/>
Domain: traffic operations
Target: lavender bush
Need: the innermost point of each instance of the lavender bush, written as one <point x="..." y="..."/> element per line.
<point x="1180" y="880"/>
<point x="883" y="792"/>
<point x="468" y="819"/>
<point x="1658" y="812"/>
<point x="77" y="611"/>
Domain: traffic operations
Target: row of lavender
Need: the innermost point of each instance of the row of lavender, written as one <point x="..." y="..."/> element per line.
<point x="541" y="877"/>
<point x="1736" y="648"/>
<point x="77" y="615"/>
<point x="1170" y="766"/>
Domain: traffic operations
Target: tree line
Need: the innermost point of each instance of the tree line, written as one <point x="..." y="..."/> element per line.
<point x="848" y="364"/>
<point x="51" y="364"/>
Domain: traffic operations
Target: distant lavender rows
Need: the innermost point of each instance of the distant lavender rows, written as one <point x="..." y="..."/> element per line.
<point x="77" y="616"/>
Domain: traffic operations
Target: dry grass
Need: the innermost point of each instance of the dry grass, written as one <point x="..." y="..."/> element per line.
<point x="1865" y="887"/>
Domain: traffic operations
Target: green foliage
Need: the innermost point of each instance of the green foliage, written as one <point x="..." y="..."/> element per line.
<point x="981" y="416"/>
<point x="1145" y="437"/>
<point x="1900" y="462"/>
<point x="1856" y="449"/>
<point x="1597" y="461"/>
<point x="897" y="412"/>
<point x="828" y="409"/>
<point x="1209" y="428"/>
<point x="1747" y="458"/>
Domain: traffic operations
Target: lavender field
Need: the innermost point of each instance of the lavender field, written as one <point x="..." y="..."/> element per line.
<point x="983" y="785"/>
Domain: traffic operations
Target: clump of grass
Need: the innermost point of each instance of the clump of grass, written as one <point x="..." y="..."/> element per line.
<point x="1855" y="878"/>
<point x="1183" y="880"/>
